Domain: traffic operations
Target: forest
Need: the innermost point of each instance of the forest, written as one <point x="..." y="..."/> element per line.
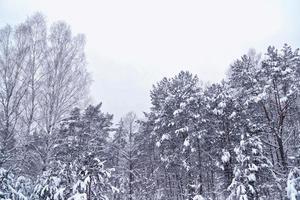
<point x="237" y="139"/>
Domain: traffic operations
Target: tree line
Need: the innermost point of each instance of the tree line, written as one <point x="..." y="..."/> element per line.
<point x="233" y="140"/>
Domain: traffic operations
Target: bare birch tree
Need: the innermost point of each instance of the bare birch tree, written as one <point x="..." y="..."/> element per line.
<point x="13" y="52"/>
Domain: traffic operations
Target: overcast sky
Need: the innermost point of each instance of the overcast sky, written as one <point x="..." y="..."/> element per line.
<point x="132" y="44"/>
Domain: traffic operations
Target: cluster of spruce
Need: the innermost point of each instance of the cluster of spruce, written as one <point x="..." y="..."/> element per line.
<point x="235" y="140"/>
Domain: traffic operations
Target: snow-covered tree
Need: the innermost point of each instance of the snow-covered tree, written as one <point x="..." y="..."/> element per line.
<point x="253" y="172"/>
<point x="51" y="185"/>
<point x="236" y="139"/>
<point x="175" y="108"/>
<point x="293" y="184"/>
<point x="78" y="169"/>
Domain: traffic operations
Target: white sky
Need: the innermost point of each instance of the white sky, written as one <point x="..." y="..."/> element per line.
<point x="132" y="44"/>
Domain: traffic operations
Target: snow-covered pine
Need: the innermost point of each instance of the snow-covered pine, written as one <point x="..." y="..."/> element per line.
<point x="253" y="171"/>
<point x="213" y="141"/>
<point x="176" y="128"/>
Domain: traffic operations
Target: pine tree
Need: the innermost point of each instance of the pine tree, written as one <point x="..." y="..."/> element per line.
<point x="175" y="112"/>
<point x="252" y="172"/>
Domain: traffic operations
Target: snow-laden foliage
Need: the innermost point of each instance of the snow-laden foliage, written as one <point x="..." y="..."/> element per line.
<point x="198" y="197"/>
<point x="176" y="114"/>
<point x="253" y="171"/>
<point x="236" y="139"/>
<point x="12" y="187"/>
<point x="92" y="180"/>
<point x="50" y="186"/>
<point x="79" y="169"/>
<point x="293" y="184"/>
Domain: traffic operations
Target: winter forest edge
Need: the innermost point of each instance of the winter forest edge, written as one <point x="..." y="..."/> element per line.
<point x="234" y="140"/>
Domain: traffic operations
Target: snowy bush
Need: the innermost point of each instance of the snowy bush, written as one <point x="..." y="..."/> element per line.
<point x="11" y="189"/>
